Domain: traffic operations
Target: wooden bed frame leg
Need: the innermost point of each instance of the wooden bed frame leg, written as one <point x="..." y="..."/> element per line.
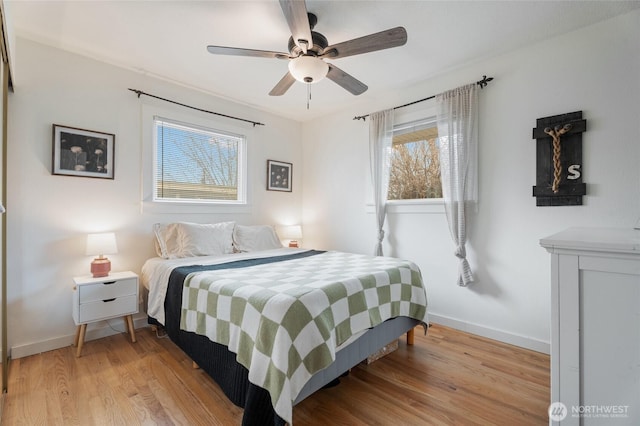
<point x="410" y="334"/>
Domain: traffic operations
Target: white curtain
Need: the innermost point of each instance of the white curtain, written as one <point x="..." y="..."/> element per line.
<point x="380" y="138"/>
<point x="457" y="114"/>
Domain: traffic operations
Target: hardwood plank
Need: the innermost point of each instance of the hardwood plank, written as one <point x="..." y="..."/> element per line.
<point x="447" y="377"/>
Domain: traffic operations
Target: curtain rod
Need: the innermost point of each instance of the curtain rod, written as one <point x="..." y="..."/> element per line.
<point x="482" y="83"/>
<point x="140" y="92"/>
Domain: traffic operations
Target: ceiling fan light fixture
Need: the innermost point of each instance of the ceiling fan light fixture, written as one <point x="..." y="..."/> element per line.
<point x="308" y="69"/>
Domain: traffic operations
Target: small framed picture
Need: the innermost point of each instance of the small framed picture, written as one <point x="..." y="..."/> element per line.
<point x="79" y="152"/>
<point x="279" y="176"/>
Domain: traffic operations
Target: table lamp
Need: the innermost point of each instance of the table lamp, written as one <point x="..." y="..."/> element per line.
<point x="101" y="244"/>
<point x="292" y="233"/>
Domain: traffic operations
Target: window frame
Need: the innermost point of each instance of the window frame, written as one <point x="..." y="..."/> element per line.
<point x="241" y="164"/>
<point x="149" y="162"/>
<point x="402" y="128"/>
<point x="424" y="111"/>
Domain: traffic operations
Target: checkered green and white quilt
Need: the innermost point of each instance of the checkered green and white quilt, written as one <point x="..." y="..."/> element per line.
<point x="284" y="320"/>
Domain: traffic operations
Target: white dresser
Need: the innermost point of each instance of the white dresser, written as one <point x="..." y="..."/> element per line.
<point x="595" y="326"/>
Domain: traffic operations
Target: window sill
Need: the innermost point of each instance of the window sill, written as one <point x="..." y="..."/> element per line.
<point x="204" y="208"/>
<point x="426" y="206"/>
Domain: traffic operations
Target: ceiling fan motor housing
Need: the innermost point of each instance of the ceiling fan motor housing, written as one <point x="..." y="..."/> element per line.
<point x="320" y="43"/>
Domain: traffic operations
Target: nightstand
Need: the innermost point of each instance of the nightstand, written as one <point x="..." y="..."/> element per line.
<point x="97" y="299"/>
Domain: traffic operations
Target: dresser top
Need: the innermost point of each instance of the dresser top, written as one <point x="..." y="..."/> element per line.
<point x="619" y="240"/>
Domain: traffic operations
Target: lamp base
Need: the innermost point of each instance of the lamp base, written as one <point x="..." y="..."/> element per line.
<point x="100" y="267"/>
<point x="293" y="243"/>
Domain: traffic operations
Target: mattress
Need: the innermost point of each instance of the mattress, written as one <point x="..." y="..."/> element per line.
<point x="156" y="271"/>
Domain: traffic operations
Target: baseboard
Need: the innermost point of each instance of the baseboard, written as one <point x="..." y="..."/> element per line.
<point x="102" y="329"/>
<point x="94" y="331"/>
<point x="492" y="333"/>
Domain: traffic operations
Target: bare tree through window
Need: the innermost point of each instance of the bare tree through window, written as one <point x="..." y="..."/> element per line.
<point x="415" y="166"/>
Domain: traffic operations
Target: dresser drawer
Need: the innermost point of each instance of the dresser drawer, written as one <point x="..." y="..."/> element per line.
<point x="107" y="289"/>
<point x="108" y="308"/>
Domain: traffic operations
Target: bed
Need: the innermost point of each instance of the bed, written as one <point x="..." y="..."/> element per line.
<point x="269" y="324"/>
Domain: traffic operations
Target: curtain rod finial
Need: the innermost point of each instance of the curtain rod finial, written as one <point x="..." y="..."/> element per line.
<point x="485" y="80"/>
<point x="138" y="92"/>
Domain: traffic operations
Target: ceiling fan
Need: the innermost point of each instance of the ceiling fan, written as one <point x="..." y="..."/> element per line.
<point x="309" y="49"/>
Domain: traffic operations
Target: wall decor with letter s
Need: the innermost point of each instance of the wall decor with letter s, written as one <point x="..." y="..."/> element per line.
<point x="559" y="160"/>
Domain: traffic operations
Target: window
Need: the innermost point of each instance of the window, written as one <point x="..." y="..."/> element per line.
<point x="415" y="164"/>
<point x="197" y="164"/>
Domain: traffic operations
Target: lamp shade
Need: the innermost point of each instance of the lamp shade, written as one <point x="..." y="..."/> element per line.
<point x="308" y="69"/>
<point x="292" y="232"/>
<point x="101" y="244"/>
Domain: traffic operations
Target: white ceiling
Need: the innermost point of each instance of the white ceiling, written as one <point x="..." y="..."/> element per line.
<point x="169" y="38"/>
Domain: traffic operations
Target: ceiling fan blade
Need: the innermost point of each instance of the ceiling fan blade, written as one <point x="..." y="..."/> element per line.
<point x="236" y="51"/>
<point x="393" y="37"/>
<point x="346" y="81"/>
<point x="295" y="12"/>
<point x="283" y="85"/>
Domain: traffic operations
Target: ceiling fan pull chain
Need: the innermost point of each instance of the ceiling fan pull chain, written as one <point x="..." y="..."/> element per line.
<point x="308" y="94"/>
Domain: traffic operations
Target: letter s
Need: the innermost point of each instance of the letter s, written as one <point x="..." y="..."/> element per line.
<point x="574" y="172"/>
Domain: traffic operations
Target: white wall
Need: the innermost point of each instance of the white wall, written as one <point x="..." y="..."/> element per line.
<point x="49" y="216"/>
<point x="596" y="70"/>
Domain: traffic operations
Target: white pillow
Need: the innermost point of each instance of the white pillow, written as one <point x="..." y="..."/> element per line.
<point x="198" y="239"/>
<point x="166" y="240"/>
<point x="256" y="237"/>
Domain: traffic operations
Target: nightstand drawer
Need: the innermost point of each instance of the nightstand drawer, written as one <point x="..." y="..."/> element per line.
<point x="107" y="308"/>
<point x="107" y="289"/>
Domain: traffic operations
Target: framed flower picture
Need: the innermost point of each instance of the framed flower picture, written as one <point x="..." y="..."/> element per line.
<point x="80" y="152"/>
<point x="279" y="176"/>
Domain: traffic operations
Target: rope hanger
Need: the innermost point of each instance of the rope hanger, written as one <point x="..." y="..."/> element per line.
<point x="140" y="92"/>
<point x="482" y="83"/>
<point x="555" y="134"/>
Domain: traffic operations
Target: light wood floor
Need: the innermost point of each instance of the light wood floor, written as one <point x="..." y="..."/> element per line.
<point x="447" y="377"/>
